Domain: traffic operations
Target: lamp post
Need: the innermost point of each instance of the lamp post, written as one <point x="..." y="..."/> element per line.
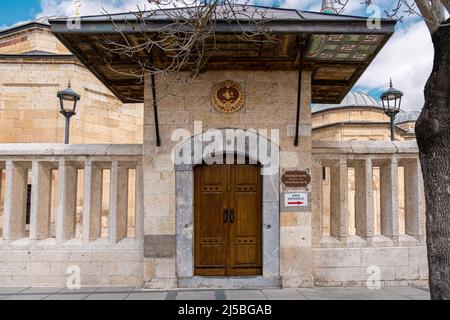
<point x="68" y="101"/>
<point x="391" y="99"/>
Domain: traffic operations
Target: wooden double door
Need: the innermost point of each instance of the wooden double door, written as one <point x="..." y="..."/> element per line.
<point x="228" y="220"/>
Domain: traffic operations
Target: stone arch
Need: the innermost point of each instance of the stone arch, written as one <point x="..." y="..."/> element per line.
<point x="184" y="180"/>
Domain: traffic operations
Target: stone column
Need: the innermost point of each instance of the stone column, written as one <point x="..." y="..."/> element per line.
<point x="139" y="203"/>
<point x="339" y="200"/>
<point x="118" y="203"/>
<point x="364" y="199"/>
<point x="389" y="198"/>
<point x="40" y="201"/>
<point x="158" y="196"/>
<point x="92" y="201"/>
<point x="414" y="204"/>
<point x="317" y="202"/>
<point x="295" y="222"/>
<point x="185" y="225"/>
<point x="67" y="201"/>
<point x="14" y="216"/>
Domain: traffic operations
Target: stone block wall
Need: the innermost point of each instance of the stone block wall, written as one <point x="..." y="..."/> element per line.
<point x="37" y="38"/>
<point x="29" y="108"/>
<point x="47" y="267"/>
<point x="270" y="104"/>
<point x="357" y="266"/>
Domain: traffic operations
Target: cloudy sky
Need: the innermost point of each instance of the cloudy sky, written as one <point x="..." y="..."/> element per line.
<point x="407" y="57"/>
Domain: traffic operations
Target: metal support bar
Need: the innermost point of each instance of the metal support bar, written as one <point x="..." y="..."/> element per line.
<point x="66" y="135"/>
<point x="299" y="92"/>
<point x="155" y="111"/>
<point x="67" y="115"/>
<point x="392" y="127"/>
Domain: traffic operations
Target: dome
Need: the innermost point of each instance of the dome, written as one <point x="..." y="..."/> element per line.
<point x="352" y="99"/>
<point x="407" y="116"/>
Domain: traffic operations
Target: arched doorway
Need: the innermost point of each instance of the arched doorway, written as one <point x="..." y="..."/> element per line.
<point x="269" y="274"/>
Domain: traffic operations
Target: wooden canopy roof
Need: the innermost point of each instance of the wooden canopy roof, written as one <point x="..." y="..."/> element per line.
<point x="338" y="48"/>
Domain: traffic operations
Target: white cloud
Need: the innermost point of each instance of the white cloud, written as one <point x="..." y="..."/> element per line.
<point x="408" y="59"/>
<point x="88" y="7"/>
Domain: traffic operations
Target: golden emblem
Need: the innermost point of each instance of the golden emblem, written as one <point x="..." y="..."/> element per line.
<point x="228" y="96"/>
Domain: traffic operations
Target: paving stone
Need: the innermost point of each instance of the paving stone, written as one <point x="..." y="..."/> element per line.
<point x="404" y="290"/>
<point x="421" y="297"/>
<point x="114" y="289"/>
<point x="317" y="297"/>
<point x="40" y="290"/>
<point x="26" y="297"/>
<point x="10" y="290"/>
<point x="107" y="296"/>
<point x="142" y="295"/>
<point x="196" y="295"/>
<point x="244" y="295"/>
<point x="383" y="294"/>
<point x="68" y="296"/>
<point x="81" y="290"/>
<point x="318" y="293"/>
<point x="388" y="297"/>
<point x="347" y="297"/>
<point x="286" y="294"/>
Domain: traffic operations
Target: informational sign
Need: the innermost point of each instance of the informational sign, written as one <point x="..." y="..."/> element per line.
<point x="295" y="179"/>
<point x="295" y="199"/>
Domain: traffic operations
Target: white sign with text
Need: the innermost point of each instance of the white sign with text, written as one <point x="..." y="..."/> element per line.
<point x="295" y="199"/>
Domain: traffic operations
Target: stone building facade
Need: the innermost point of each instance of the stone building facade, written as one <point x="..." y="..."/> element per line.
<point x="35" y="65"/>
<point x="153" y="198"/>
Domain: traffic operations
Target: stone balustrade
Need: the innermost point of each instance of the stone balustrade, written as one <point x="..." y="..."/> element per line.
<point x="53" y="218"/>
<point x="34" y="165"/>
<point x="362" y="157"/>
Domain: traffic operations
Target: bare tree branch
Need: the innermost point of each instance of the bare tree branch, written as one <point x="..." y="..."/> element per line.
<point x="431" y="11"/>
<point x="188" y="40"/>
<point x="446" y="4"/>
<point x="427" y="14"/>
<point x="438" y="10"/>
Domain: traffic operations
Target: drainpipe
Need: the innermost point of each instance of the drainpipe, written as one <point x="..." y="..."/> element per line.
<point x="299" y="92"/>
<point x="155" y="111"/>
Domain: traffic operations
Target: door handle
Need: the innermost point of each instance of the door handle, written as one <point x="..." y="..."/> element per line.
<point x="232" y="215"/>
<point x="225" y="215"/>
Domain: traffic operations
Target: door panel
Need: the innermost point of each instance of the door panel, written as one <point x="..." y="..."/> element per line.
<point x="228" y="222"/>
<point x="245" y="232"/>
<point x="210" y="229"/>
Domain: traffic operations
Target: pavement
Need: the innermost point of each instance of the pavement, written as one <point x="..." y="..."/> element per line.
<point x="323" y="293"/>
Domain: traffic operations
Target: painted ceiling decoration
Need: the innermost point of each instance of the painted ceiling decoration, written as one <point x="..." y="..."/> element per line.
<point x="353" y="47"/>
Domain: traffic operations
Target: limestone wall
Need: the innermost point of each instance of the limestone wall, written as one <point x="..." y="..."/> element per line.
<point x="51" y="266"/>
<point x="31" y="39"/>
<point x="356" y="266"/>
<point x="29" y="108"/>
<point x="270" y="104"/>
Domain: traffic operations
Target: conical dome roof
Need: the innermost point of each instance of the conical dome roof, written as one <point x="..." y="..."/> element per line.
<point x="407" y="116"/>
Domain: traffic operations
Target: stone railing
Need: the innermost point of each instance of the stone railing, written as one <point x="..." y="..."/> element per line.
<point x="33" y="172"/>
<point x="391" y="215"/>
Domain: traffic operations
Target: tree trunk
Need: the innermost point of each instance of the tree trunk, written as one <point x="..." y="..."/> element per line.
<point x="433" y="138"/>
